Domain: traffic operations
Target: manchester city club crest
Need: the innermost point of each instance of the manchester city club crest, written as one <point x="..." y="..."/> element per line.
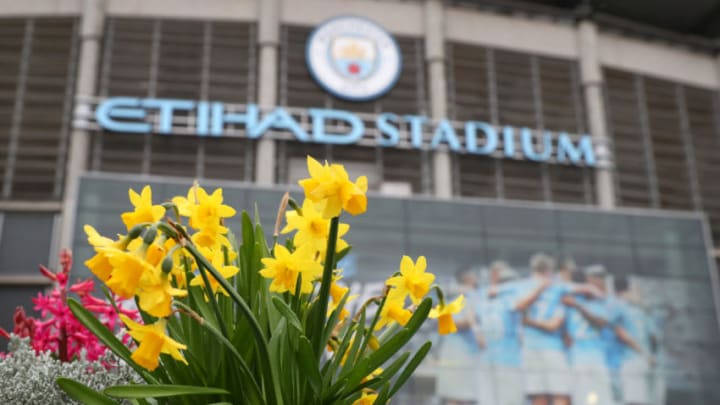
<point x="353" y="58"/>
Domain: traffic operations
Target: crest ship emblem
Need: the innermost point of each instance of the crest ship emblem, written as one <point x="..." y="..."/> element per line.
<point x="353" y="58"/>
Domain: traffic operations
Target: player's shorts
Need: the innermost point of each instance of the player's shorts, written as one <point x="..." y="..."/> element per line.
<point x="637" y="387"/>
<point x="546" y="372"/>
<point x="591" y="385"/>
<point x="500" y="385"/>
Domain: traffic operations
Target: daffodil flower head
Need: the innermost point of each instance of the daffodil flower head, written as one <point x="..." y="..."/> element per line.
<point x="128" y="267"/>
<point x="444" y="313"/>
<point x="285" y="268"/>
<point x="367" y="398"/>
<point x="153" y="341"/>
<point x="393" y="311"/>
<point x="217" y="258"/>
<point x="330" y="189"/>
<point x="155" y="293"/>
<point x="209" y="210"/>
<point x="100" y="263"/>
<point x="144" y="211"/>
<point x="211" y="237"/>
<point x="413" y="281"/>
<point x="337" y="292"/>
<point x="313" y="230"/>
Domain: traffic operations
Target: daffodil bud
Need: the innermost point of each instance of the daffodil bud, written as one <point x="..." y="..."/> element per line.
<point x="150" y="235"/>
<point x="135" y="231"/>
<point x="167" y="264"/>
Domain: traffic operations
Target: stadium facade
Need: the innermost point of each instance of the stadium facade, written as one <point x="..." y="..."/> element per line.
<point x="488" y="130"/>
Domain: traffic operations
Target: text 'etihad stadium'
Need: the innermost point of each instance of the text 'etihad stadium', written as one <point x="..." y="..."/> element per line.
<point x="339" y="127"/>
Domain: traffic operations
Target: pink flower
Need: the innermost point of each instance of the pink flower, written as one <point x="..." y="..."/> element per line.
<point x="57" y="330"/>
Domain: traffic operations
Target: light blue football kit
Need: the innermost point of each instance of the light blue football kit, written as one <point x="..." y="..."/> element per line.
<point x="544" y="359"/>
<point x="591" y="377"/>
<point x="638" y="382"/>
<point x="588" y="345"/>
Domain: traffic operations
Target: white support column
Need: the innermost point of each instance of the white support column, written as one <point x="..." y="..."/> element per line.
<point x="268" y="44"/>
<point x="93" y="19"/>
<point x="592" y="83"/>
<point x="435" y="58"/>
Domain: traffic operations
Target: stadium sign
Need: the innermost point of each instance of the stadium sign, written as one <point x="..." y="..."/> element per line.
<point x="353" y="58"/>
<point x="339" y="127"/>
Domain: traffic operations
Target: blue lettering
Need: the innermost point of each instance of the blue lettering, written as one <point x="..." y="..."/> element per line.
<point x="509" y="141"/>
<point x="529" y="149"/>
<point x="391" y="132"/>
<point x="566" y="150"/>
<point x="202" y="123"/>
<point x="220" y="118"/>
<point x="445" y="133"/>
<point x="416" y="130"/>
<point x="166" y="107"/>
<point x="278" y="119"/>
<point x="319" y="115"/>
<point x="124" y="108"/>
<point x="490" y="132"/>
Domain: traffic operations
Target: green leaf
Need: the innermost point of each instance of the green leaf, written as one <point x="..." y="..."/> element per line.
<point x="322" y="301"/>
<point x="106" y="337"/>
<point x="160" y="391"/>
<point x="83" y="393"/>
<point x="308" y="365"/>
<point x="254" y="394"/>
<point x="273" y="393"/>
<point x="410" y="368"/>
<point x="288" y="313"/>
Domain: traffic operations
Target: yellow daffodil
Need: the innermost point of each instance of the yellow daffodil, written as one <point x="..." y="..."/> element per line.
<point x="413" y="280"/>
<point x="330" y="188"/>
<point x="393" y="311"/>
<point x="186" y="205"/>
<point x="366" y="399"/>
<point x="144" y="211"/>
<point x="155" y="293"/>
<point x="312" y="229"/>
<point x="100" y="263"/>
<point x="337" y="293"/>
<point x="285" y="268"/>
<point x="128" y="267"/>
<point x="218" y="261"/>
<point x="211" y="237"/>
<point x="443" y="313"/>
<point x="153" y="341"/>
<point x="210" y="209"/>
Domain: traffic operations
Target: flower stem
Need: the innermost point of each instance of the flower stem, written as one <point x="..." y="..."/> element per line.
<point x="325" y="287"/>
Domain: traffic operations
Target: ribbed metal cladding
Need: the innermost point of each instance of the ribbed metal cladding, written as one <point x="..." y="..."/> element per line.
<point x="296" y="88"/>
<point x="181" y="59"/>
<point x="660" y="132"/>
<point x="38" y="59"/>
<point x="522" y="90"/>
<point x="626" y="127"/>
<point x="702" y="109"/>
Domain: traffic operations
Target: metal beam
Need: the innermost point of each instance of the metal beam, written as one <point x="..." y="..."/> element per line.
<point x="93" y="19"/>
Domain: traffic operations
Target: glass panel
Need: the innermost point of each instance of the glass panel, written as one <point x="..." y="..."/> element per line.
<point x="668" y="232"/>
<point x="678" y="262"/>
<point x="522" y="221"/>
<point x="591" y="225"/>
<point x="25" y="242"/>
